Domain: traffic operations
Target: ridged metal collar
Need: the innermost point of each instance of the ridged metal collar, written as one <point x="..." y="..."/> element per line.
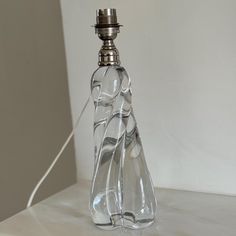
<point x="107" y="29"/>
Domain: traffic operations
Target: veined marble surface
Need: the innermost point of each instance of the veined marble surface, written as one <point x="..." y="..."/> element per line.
<point x="180" y="213"/>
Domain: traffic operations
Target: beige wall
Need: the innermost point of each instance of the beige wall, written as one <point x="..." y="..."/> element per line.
<point x="34" y="103"/>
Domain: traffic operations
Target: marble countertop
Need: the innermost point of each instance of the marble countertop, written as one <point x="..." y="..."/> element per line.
<point x="180" y="213"/>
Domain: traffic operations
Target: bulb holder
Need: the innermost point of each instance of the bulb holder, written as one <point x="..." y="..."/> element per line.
<point x="107" y="28"/>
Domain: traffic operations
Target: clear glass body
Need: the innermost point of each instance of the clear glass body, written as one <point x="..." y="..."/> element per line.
<point x="122" y="193"/>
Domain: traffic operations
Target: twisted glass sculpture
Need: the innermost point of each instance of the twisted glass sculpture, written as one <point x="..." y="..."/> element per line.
<point x="122" y="193"/>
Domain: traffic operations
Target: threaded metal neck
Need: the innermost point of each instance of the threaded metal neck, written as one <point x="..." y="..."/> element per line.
<point x="107" y="29"/>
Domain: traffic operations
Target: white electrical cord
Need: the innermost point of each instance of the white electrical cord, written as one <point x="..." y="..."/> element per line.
<point x="31" y="198"/>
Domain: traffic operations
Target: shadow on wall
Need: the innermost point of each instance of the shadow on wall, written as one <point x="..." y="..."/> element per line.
<point x="34" y="102"/>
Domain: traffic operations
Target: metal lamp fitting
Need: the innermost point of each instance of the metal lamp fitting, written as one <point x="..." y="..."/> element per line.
<point x="107" y="29"/>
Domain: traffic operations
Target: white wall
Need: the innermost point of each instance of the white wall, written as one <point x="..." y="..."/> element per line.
<point x="181" y="56"/>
